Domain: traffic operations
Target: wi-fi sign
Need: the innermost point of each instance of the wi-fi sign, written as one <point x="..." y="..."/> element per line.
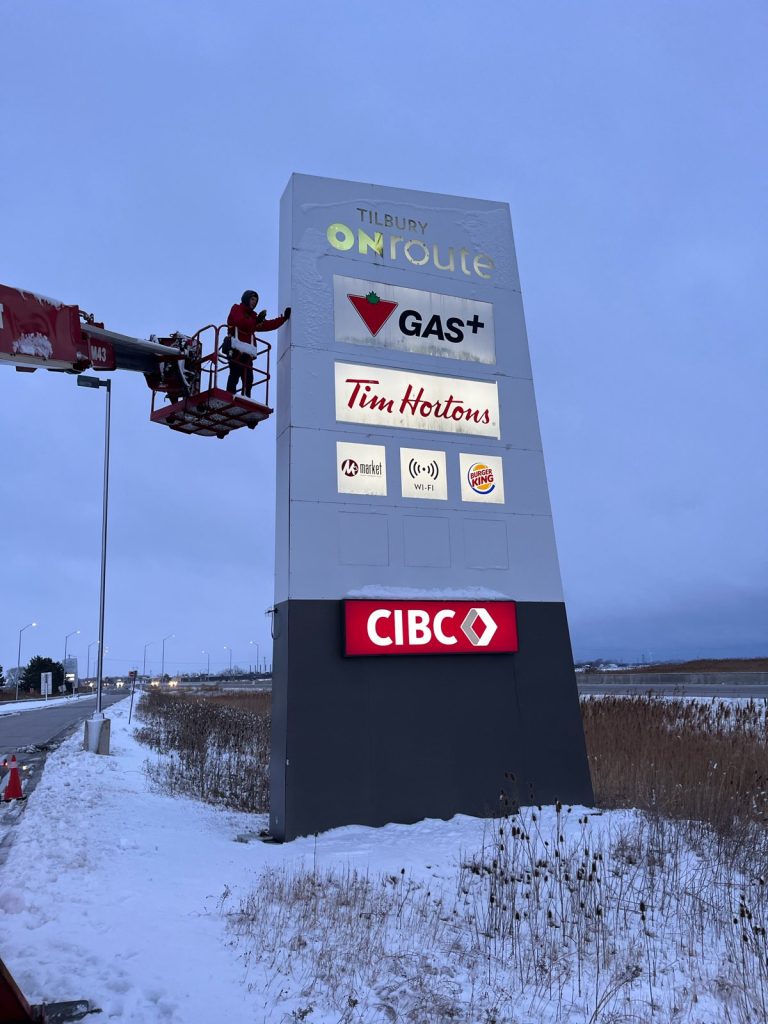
<point x="417" y="469"/>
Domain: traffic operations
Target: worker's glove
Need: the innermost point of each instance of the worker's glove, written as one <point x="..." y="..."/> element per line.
<point x="287" y="313"/>
<point x="261" y="316"/>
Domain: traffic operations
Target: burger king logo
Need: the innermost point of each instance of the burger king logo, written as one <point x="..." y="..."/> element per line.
<point x="480" y="478"/>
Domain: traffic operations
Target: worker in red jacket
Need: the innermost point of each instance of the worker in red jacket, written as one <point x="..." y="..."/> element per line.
<point x="244" y="321"/>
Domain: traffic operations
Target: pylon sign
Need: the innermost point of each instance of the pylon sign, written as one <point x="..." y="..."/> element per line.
<point x="406" y="404"/>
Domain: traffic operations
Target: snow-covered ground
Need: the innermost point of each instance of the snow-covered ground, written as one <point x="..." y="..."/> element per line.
<point x="13" y="707"/>
<point x="158" y="908"/>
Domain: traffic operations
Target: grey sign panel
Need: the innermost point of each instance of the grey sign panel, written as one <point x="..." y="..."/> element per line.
<point x="354" y="371"/>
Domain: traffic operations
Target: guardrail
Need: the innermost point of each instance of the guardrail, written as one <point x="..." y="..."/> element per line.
<point x="673" y="678"/>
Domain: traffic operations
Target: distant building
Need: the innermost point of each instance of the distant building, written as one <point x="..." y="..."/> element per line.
<point x="71" y="677"/>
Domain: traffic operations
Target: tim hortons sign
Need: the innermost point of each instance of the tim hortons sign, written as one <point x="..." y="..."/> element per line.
<point x="416" y="401"/>
<point x="429" y="627"/>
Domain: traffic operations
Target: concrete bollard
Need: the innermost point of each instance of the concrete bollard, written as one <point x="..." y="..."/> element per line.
<point x="97" y="733"/>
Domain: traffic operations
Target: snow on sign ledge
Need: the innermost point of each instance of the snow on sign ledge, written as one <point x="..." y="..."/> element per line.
<point x="429" y="593"/>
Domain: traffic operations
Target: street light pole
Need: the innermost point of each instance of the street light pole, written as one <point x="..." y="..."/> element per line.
<point x="96" y="382"/>
<point x="18" y="660"/>
<point x="162" y="664"/>
<point x="66" y="641"/>
<point x="255" y="643"/>
<point x="230" y="657"/>
<point x="144" y="669"/>
<point x="90" y="645"/>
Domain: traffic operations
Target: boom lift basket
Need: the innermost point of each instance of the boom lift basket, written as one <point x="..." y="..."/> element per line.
<point x="198" y="402"/>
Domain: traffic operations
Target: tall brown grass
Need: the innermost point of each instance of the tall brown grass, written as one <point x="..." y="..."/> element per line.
<point x="682" y="759"/>
<point x="214" y="748"/>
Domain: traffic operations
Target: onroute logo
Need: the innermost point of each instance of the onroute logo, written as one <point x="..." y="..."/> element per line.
<point x="429" y="627"/>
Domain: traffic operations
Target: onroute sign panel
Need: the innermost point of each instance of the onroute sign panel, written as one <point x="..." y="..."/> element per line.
<point x="413" y="519"/>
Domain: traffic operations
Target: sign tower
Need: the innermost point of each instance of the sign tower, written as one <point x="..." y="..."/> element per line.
<point x="422" y="662"/>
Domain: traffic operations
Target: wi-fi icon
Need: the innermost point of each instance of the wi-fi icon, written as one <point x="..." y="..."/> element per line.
<point x="430" y="469"/>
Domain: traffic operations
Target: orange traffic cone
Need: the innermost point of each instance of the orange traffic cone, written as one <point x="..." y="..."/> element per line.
<point x="13" y="789"/>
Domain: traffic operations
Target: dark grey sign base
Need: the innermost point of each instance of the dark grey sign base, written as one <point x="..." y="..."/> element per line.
<point x="372" y="740"/>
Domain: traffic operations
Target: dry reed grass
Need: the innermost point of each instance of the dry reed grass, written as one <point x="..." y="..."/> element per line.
<point x="705" y="762"/>
<point x="570" y="921"/>
<point x="210" y="749"/>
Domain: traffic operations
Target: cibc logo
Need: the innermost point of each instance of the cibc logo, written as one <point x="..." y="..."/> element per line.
<point x="429" y="627"/>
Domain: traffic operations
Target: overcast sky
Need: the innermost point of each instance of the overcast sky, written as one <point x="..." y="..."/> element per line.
<point x="145" y="147"/>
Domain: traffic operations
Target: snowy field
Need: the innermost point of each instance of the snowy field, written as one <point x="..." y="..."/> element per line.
<point x="164" y="909"/>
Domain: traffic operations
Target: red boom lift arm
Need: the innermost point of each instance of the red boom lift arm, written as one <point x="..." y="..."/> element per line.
<point x="38" y="332"/>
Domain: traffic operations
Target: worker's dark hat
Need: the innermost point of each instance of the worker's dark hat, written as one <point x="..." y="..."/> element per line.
<point x="247" y="296"/>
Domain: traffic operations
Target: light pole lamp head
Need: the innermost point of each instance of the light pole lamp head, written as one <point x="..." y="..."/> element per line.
<point x="84" y="381"/>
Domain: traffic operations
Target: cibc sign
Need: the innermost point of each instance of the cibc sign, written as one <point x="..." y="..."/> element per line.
<point x="429" y="627"/>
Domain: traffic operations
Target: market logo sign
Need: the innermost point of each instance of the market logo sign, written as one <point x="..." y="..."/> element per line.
<point x="429" y="627"/>
<point x="423" y="474"/>
<point x="361" y="468"/>
<point x="415" y="401"/>
<point x="482" y="478"/>
<point x="411" y="320"/>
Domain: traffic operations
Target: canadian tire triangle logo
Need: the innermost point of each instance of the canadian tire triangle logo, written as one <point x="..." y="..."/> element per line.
<point x="373" y="311"/>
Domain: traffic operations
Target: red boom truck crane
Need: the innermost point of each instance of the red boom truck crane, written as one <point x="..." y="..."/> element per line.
<point x="40" y="333"/>
<point x="37" y="332"/>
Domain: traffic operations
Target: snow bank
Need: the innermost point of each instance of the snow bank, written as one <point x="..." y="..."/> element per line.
<point x="132" y="899"/>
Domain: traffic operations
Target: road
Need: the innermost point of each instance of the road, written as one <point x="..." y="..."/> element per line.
<point x="39" y="726"/>
<point x="758" y="691"/>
